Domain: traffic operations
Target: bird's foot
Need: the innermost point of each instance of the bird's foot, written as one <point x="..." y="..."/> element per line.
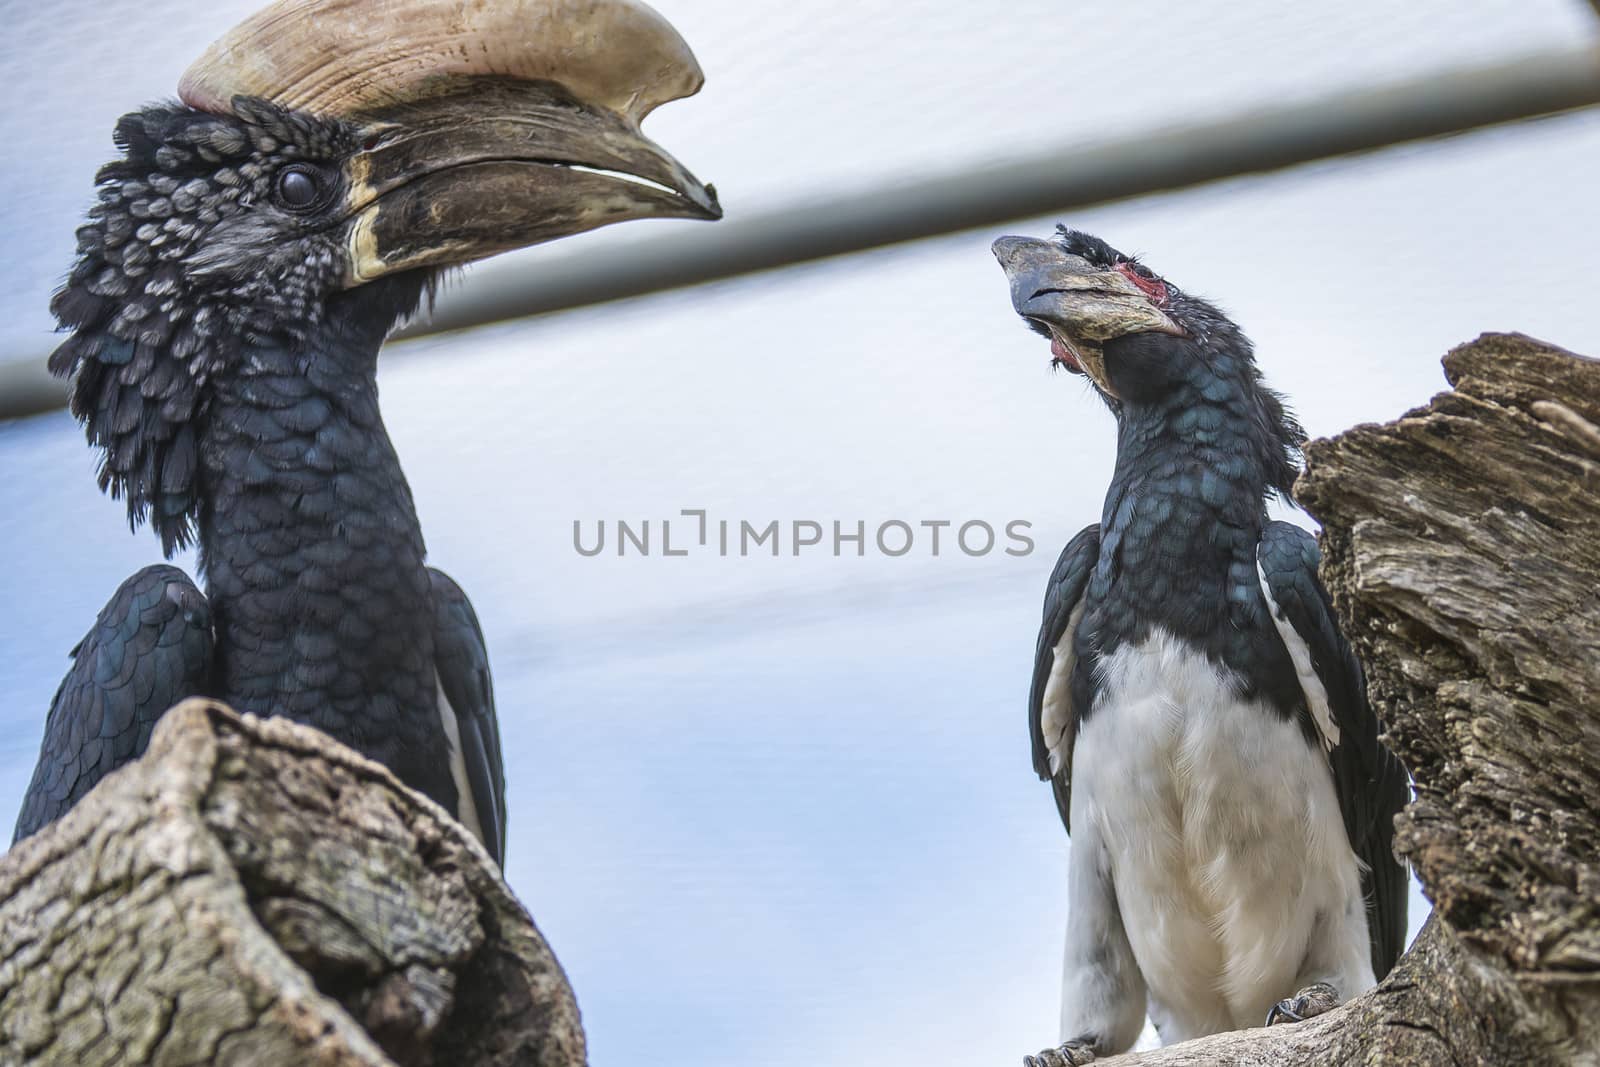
<point x="1074" y="1053"/>
<point x="1311" y="1001"/>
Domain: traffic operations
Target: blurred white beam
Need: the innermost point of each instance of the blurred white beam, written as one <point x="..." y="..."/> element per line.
<point x="26" y="388"/>
<point x="1064" y="179"/>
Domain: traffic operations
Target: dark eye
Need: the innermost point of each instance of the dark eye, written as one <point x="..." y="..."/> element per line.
<point x="299" y="188"/>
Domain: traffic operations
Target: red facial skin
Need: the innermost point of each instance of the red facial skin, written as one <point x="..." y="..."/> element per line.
<point x="1154" y="288"/>
<point x="1063" y="355"/>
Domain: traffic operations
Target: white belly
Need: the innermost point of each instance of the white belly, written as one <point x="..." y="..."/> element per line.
<point x="1233" y="872"/>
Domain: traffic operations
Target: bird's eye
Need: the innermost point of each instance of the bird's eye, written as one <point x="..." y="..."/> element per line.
<point x="299" y="188"/>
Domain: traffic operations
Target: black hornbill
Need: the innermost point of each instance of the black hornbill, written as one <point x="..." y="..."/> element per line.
<point x="248" y="255"/>
<point x="1203" y="722"/>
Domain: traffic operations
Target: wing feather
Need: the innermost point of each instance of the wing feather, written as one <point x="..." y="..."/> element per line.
<point x="1052" y="720"/>
<point x="1370" y="781"/>
<point x="149" y="648"/>
<point x="462" y="661"/>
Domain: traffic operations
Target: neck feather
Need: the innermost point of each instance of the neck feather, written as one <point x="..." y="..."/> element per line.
<point x="1182" y="520"/>
<point x="310" y="544"/>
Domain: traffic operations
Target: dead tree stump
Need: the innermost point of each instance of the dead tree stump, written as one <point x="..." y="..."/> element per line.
<point x="253" y="893"/>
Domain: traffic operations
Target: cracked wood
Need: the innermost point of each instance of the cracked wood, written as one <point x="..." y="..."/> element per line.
<point x="251" y="892"/>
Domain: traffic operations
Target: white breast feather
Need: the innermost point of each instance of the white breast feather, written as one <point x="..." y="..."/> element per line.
<point x="1233" y="872"/>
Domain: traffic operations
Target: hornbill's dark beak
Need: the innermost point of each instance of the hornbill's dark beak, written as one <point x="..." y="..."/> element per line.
<point x="1080" y="304"/>
<point x="483" y="125"/>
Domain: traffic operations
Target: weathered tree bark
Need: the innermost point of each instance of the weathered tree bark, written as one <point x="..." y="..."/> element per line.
<point x="251" y="892"/>
<point x="1461" y="544"/>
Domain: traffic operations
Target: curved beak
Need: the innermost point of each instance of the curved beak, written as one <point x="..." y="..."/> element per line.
<point x="1081" y="305"/>
<point x="483" y="126"/>
<point x="502" y="165"/>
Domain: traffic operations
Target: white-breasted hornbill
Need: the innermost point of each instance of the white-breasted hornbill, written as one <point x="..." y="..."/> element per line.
<point x="1203" y="722"/>
<point x="248" y="255"/>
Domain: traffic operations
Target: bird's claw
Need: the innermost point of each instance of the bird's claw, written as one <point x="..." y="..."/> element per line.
<point x="1073" y="1053"/>
<point x="1310" y="1002"/>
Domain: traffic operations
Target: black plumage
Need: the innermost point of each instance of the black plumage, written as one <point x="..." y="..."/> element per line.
<point x="1062" y="595"/>
<point x="463" y="662"/>
<point x="1370" y="781"/>
<point x="235" y="280"/>
<point x="1183" y="561"/>
<point x="1201" y="444"/>
<point x="150" y="647"/>
<point x="232" y="389"/>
